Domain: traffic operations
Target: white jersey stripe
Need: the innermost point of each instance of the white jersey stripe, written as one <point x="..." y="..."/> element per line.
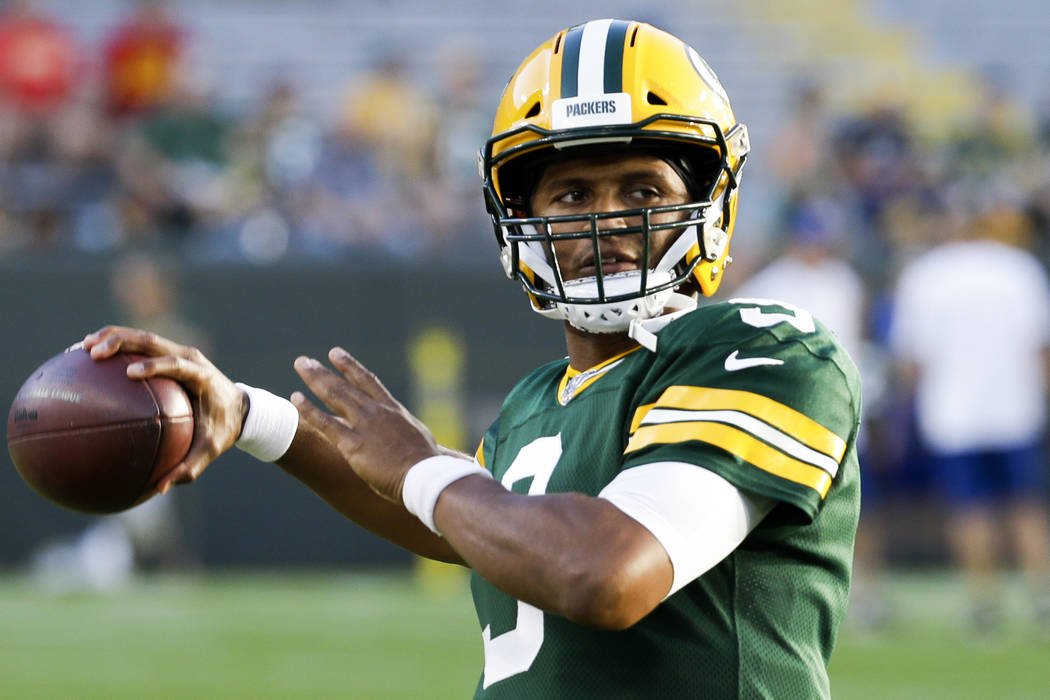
<point x="782" y="441"/>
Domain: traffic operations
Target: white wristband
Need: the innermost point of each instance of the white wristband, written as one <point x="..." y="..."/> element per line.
<point x="427" y="479"/>
<point x="270" y="425"/>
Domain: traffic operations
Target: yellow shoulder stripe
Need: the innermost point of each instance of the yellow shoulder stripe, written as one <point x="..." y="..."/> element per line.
<point x="480" y="454"/>
<point x="797" y="425"/>
<point x="736" y="442"/>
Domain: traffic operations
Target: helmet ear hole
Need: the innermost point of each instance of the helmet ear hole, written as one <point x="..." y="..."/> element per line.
<point x="654" y="99"/>
<point x="533" y="111"/>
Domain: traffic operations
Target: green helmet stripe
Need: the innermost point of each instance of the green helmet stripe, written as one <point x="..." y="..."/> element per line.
<point x="570" y="62"/>
<point x="614" y="56"/>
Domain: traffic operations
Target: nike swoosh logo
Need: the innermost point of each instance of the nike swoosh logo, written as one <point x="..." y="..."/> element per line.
<point x="733" y="363"/>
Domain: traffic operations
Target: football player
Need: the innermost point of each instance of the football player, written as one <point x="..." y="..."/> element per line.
<point x="670" y="510"/>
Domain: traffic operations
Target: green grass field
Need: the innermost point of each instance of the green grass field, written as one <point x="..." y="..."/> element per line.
<point x="384" y="636"/>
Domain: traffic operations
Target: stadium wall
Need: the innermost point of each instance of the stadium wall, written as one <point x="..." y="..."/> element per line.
<point x="257" y="320"/>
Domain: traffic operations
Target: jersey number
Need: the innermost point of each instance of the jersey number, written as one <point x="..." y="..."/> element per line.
<point x="513" y="652"/>
<point x="755" y="316"/>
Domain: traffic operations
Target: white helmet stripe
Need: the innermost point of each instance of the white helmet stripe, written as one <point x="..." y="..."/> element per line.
<point x="592" y="59"/>
<point x="591" y="75"/>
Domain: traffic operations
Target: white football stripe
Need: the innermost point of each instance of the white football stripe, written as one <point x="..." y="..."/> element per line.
<point x="591" y="75"/>
<point x="782" y="441"/>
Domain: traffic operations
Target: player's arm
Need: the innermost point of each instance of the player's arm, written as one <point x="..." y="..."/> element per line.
<point x="580" y="557"/>
<point x="608" y="561"/>
<point x="220" y="409"/>
<point x="316" y="463"/>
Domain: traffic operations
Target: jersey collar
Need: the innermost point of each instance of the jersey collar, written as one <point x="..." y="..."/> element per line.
<point x="575" y="381"/>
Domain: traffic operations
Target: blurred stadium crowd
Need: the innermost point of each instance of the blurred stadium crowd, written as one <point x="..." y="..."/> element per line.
<point x="127" y="145"/>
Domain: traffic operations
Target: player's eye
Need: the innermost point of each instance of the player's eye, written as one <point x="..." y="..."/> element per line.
<point x="644" y="194"/>
<point x="571" y="196"/>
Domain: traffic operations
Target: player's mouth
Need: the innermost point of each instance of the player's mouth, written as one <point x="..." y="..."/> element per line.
<point x="611" y="264"/>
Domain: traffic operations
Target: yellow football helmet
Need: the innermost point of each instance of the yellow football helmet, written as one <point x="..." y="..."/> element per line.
<point x="610" y="84"/>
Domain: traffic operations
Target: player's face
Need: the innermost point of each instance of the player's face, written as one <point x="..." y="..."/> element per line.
<point x="601" y="184"/>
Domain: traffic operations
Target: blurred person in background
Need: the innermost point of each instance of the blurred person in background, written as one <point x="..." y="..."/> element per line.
<point x="671" y="509"/>
<point x="998" y="141"/>
<point x="274" y="153"/>
<point x="1039" y="202"/>
<point x="140" y="59"/>
<point x="152" y="536"/>
<point x="147" y="294"/>
<point x="876" y="155"/>
<point x="84" y="142"/>
<point x="971" y="335"/>
<point x="352" y="207"/>
<point x="39" y="59"/>
<point x="455" y="217"/>
<point x="810" y="271"/>
<point x="40" y="68"/>
<point x="800" y="150"/>
<point x="173" y="159"/>
<point x="386" y="106"/>
<point x="253" y="174"/>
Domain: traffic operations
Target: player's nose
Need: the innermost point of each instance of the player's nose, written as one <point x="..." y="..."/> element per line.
<point x="611" y="206"/>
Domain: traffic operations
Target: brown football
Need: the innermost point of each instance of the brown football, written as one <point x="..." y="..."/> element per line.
<point x="88" y="438"/>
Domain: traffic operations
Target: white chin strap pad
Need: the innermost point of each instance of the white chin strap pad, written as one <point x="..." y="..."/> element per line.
<point x="615" y="317"/>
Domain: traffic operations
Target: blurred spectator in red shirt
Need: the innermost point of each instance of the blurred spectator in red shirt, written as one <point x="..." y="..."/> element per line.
<point x="141" y="57"/>
<point x="38" y="59"/>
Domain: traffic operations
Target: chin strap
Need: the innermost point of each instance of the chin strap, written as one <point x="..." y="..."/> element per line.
<point x="644" y="330"/>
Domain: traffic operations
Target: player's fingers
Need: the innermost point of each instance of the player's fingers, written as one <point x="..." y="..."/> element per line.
<point x="179" y="474"/>
<point x="169" y="480"/>
<point x="193" y="375"/>
<point x="95" y="337"/>
<point x="103" y="343"/>
<point x="113" y="339"/>
<point x="335" y="429"/>
<point x="336" y="393"/>
<point x="200" y="455"/>
<point x="359" y="375"/>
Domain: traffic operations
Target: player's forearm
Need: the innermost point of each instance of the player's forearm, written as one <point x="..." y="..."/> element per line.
<point x="312" y="460"/>
<point x="567" y="554"/>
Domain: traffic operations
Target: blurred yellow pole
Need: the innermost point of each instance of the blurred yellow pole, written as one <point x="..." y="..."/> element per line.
<point x="436" y="357"/>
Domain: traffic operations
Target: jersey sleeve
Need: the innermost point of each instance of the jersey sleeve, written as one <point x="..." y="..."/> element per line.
<point x="762" y="395"/>
<point x="485" y="454"/>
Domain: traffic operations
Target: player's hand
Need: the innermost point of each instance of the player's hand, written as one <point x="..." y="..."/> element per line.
<point x="219" y="405"/>
<point x="376" y="435"/>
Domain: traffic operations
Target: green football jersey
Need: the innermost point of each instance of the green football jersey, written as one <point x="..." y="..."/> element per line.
<point x="752" y="390"/>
